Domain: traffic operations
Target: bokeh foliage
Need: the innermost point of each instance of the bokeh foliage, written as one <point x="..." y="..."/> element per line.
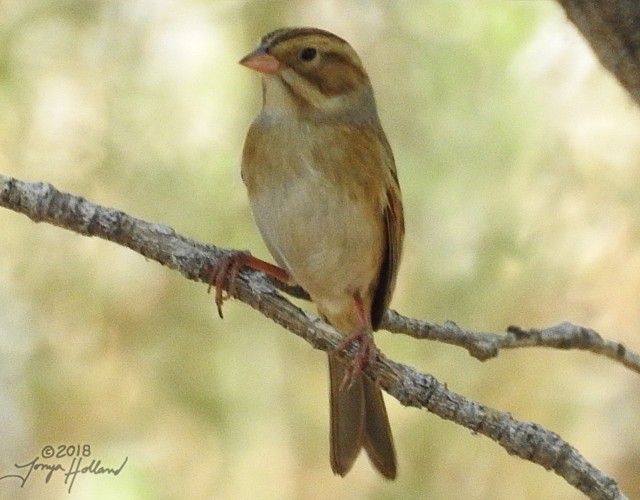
<point x="518" y="162"/>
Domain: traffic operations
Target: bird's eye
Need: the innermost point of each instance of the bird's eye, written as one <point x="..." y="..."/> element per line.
<point x="308" y="54"/>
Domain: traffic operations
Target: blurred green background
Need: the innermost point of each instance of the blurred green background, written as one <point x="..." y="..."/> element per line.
<point x="518" y="160"/>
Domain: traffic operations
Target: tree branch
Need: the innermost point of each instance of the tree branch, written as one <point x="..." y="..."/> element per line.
<point x="612" y="28"/>
<point x="43" y="203"/>
<point x="484" y="346"/>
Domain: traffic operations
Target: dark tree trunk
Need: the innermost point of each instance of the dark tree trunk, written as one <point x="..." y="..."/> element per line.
<point x="612" y="28"/>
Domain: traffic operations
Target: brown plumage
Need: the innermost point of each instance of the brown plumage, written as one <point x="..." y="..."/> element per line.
<point x="323" y="189"/>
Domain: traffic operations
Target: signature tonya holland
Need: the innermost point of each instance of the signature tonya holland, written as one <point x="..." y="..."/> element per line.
<point x="69" y="472"/>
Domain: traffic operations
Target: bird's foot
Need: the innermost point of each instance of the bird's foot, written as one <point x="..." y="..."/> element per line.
<point x="366" y="354"/>
<point x="227" y="270"/>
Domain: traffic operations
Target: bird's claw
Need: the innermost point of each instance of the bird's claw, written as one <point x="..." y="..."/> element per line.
<point x="226" y="271"/>
<point x="366" y="355"/>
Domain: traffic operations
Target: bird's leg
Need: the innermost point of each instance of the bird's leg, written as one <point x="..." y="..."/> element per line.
<point x="227" y="271"/>
<point x="366" y="347"/>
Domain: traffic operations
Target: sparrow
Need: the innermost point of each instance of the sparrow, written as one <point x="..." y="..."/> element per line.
<point x="322" y="185"/>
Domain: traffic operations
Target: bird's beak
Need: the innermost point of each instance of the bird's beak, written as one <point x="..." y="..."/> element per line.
<point x="260" y="61"/>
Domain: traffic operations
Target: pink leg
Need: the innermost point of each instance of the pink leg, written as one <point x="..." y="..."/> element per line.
<point x="366" y="347"/>
<point x="228" y="269"/>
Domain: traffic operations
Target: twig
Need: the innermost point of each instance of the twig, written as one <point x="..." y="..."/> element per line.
<point x="483" y="345"/>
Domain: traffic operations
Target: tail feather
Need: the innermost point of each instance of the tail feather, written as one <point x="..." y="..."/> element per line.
<point x="358" y="420"/>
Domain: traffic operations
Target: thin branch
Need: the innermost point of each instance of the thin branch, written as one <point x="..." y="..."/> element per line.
<point x="43" y="203"/>
<point x="483" y="345"/>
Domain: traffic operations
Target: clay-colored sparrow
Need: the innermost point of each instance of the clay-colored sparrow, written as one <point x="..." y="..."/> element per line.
<point x="322" y="184"/>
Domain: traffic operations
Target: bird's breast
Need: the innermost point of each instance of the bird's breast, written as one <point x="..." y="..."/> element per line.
<point x="318" y="221"/>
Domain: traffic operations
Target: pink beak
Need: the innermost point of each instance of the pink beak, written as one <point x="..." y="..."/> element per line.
<point x="260" y="61"/>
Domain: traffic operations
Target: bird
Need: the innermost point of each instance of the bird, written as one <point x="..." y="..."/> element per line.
<point x="323" y="188"/>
